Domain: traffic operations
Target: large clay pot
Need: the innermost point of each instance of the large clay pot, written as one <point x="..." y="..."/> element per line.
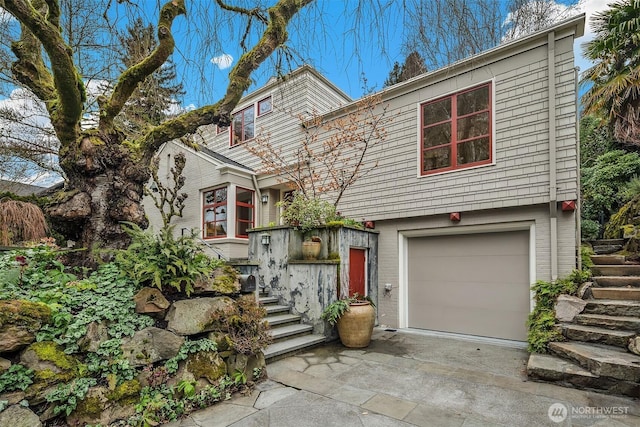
<point x="311" y="250"/>
<point x="355" y="326"/>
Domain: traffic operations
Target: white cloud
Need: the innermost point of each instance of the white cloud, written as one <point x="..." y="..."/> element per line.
<point x="223" y="61"/>
<point x="6" y="17"/>
<point x="589" y="7"/>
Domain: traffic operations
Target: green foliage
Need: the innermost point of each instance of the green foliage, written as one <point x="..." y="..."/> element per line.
<point x="336" y="309"/>
<point x="604" y="183"/>
<point x="595" y="140"/>
<point x="30" y="269"/>
<point x="542" y="321"/>
<point x="585" y="256"/>
<point x="244" y="325"/>
<point x="186" y="388"/>
<point x="239" y="377"/>
<point x="589" y="229"/>
<point x="17" y="377"/>
<point x="257" y="373"/>
<point x="163" y="260"/>
<point x="307" y="213"/>
<point x="625" y="217"/>
<point x="187" y="348"/>
<point x="67" y="396"/>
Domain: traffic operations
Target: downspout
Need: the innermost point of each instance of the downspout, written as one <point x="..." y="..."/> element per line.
<point x="553" y="203"/>
<point x="578" y="211"/>
<point x="258" y="204"/>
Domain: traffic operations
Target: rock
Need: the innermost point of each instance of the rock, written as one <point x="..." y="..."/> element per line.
<point x="584" y="291"/>
<point x="222" y="340"/>
<point x="223" y="280"/>
<point x="193" y="316"/>
<point x="151" y="301"/>
<point x="13" y="397"/>
<point x="567" y="307"/>
<point x="103" y="406"/>
<point x="97" y="333"/>
<point x="19" y="322"/>
<point x="634" y="345"/>
<point x="206" y="364"/>
<point x="4" y="364"/>
<point x="151" y="345"/>
<point x="246" y="364"/>
<point x="19" y="416"/>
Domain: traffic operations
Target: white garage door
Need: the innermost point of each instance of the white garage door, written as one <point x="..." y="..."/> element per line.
<point x="476" y="284"/>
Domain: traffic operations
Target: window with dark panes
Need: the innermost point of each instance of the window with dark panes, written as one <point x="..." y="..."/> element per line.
<point x="244" y="211"/>
<point x="215" y="213"/>
<point x="456" y="131"/>
<point x="264" y="106"/>
<point x="242" y="126"/>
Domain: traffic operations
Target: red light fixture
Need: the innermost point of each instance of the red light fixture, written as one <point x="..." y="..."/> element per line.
<point x="455" y="216"/>
<point x="568" y="206"/>
<point x="370" y="225"/>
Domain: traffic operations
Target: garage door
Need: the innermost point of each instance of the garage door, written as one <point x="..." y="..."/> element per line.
<point x="476" y="284"/>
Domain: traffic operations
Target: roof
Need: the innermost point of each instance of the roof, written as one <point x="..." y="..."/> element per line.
<point x="19" y="188"/>
<point x="223" y="159"/>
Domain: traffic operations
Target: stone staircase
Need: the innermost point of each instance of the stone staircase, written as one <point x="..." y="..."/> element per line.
<point x="596" y="355"/>
<point x="289" y="334"/>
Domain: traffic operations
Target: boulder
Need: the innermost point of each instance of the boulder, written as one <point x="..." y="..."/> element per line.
<point x="4" y="364"/>
<point x="223" y="280"/>
<point x="13" y="397"/>
<point x="103" y="406"/>
<point x="19" y="416"/>
<point x="204" y="368"/>
<point x="19" y="322"/>
<point x="567" y="307"/>
<point x="584" y="291"/>
<point x="97" y="333"/>
<point x="151" y="345"/>
<point x="151" y="301"/>
<point x="634" y="345"/>
<point x="193" y="316"/>
<point x="246" y="364"/>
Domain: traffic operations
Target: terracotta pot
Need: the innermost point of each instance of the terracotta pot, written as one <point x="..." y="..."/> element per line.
<point x="311" y="250"/>
<point x="356" y="325"/>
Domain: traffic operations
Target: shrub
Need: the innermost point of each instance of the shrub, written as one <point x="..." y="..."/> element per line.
<point x="245" y="325"/>
<point x="307" y="214"/>
<point x="163" y="260"/>
<point x="590" y="229"/>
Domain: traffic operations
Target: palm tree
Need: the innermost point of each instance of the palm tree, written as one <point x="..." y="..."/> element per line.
<point x="615" y="77"/>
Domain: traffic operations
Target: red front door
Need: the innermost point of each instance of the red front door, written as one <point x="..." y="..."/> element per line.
<point x="357" y="271"/>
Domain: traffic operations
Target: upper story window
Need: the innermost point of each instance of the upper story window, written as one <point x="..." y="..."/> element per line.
<point x="244" y="211"/>
<point x="456" y="131"/>
<point x="221" y="129"/>
<point x="264" y="106"/>
<point x="215" y="213"/>
<point x="242" y="126"/>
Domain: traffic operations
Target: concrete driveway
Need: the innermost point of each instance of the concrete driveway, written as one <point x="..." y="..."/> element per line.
<point x="408" y="378"/>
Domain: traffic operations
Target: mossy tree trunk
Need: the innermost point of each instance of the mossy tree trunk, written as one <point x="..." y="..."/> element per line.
<point x="105" y="171"/>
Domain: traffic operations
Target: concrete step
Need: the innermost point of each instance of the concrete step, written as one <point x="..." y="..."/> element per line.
<point x="617" y="281"/>
<point x="282" y="319"/>
<point x="612" y="307"/>
<point x="595" y="334"/>
<point x="607" y="249"/>
<point x="608" y="259"/>
<point x="292" y="345"/>
<point x="280" y="332"/>
<point x="566" y="373"/>
<point x="616" y="270"/>
<point x="276" y="308"/>
<point x="268" y="300"/>
<point x="600" y="360"/>
<point x="624" y="323"/>
<point x="629" y="294"/>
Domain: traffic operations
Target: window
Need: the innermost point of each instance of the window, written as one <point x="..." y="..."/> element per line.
<point x="242" y="126"/>
<point x="244" y="211"/>
<point x="264" y="106"/>
<point x="456" y="131"/>
<point x="215" y="213"/>
<point x="221" y="129"/>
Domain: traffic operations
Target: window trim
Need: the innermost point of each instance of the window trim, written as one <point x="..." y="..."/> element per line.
<point x="221" y="129"/>
<point x="258" y="114"/>
<point x="491" y="134"/>
<point x="250" y="107"/>
<point x="245" y="205"/>
<point x="214" y="205"/>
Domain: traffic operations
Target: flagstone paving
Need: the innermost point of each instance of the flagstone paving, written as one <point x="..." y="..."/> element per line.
<point x="406" y="378"/>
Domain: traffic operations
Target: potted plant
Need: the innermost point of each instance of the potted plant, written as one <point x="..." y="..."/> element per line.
<point x="355" y="317"/>
<point x="311" y="247"/>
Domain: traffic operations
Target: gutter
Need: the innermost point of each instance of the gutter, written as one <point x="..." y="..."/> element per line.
<point x="578" y="211"/>
<point x="553" y="202"/>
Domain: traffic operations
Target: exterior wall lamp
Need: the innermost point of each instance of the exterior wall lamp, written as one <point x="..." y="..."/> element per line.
<point x="265" y="199"/>
<point x="455" y="216"/>
<point x="265" y="239"/>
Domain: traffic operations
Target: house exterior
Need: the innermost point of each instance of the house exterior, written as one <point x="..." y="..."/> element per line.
<point x="473" y="197"/>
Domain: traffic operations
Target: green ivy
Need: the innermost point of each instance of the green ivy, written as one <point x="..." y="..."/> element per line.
<point x="67" y="396"/>
<point x="187" y="348"/>
<point x="17" y="377"/>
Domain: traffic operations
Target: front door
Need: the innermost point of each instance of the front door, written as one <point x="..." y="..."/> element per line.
<point x="357" y="271"/>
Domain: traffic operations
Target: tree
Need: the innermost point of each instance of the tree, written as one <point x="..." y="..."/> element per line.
<point x="413" y="66"/>
<point x="615" y="77"/>
<point x="332" y="154"/>
<point x="446" y="31"/>
<point x="105" y="170"/>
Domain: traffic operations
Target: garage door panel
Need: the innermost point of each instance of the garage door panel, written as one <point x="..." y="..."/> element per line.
<point x="474" y="284"/>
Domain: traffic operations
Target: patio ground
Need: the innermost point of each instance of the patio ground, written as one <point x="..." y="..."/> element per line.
<point x="409" y="378"/>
